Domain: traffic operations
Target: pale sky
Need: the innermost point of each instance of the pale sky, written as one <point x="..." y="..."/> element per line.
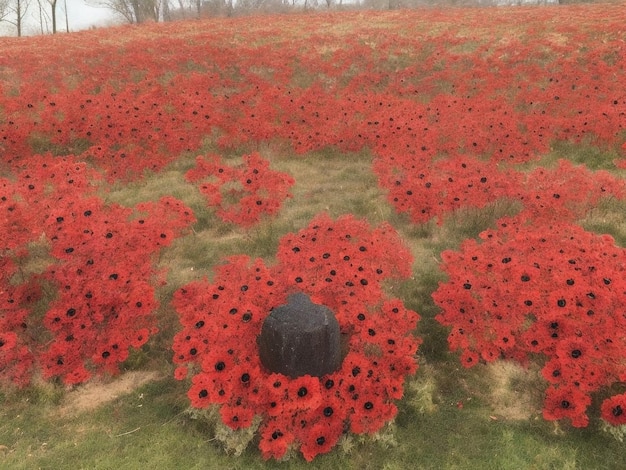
<point x="82" y="16"/>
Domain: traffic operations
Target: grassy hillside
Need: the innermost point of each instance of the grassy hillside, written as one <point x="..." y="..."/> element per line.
<point x="447" y="126"/>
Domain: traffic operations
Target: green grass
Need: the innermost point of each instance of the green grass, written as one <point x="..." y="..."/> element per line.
<point x="149" y="428"/>
<point x="608" y="217"/>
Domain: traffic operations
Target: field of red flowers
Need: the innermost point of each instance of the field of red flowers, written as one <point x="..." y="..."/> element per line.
<point x="458" y="108"/>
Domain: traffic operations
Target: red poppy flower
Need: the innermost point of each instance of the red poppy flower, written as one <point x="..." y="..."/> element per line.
<point x="320" y="438"/>
<point x="180" y="373"/>
<point x="236" y="416"/>
<point x="567" y="402"/>
<point x="274" y="441"/>
<point x="613" y="410"/>
<point x="77" y="375"/>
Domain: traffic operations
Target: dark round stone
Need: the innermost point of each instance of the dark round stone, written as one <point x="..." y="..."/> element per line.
<point x="300" y="338"/>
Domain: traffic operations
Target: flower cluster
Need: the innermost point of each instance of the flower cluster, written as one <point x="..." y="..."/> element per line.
<point x="434" y="189"/>
<point x="99" y="257"/>
<point x="106" y="300"/>
<point x="340" y="264"/>
<point x="242" y="194"/>
<point x="565" y="192"/>
<point x="120" y="112"/>
<point x="123" y="129"/>
<point x="552" y="290"/>
<point x="16" y="359"/>
<point x="15" y="292"/>
<point x="25" y="201"/>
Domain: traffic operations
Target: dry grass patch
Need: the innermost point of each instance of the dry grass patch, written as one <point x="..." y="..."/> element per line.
<point x="513" y="392"/>
<point x="100" y="391"/>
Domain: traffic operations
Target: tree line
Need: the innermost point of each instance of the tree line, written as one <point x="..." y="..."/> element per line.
<point x="13" y="12"/>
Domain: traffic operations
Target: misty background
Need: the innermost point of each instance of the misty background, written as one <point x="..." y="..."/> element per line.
<point x="34" y="17"/>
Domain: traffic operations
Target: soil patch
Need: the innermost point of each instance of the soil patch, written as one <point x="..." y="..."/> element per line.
<point x="99" y="391"/>
<point x="515" y="392"/>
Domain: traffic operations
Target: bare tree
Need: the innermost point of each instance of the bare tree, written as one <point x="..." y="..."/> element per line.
<point x="13" y="12"/>
<point x="53" y="10"/>
<point x="146" y="10"/>
<point x="4" y="9"/>
<point x="21" y="7"/>
<point x="44" y="18"/>
<point x="67" y="20"/>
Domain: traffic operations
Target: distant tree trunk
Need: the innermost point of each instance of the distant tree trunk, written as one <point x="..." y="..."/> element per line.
<point x="18" y="20"/>
<point x="53" y="5"/>
<point x="67" y="21"/>
<point x="154" y="10"/>
<point x="136" y="11"/>
<point x="41" y="18"/>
